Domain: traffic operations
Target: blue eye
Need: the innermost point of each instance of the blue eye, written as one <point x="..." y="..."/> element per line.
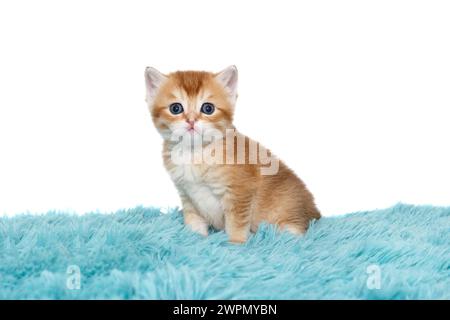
<point x="176" y="108"/>
<point x="207" y="108"/>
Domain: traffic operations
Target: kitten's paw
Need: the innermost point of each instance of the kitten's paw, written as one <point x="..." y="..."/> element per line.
<point x="237" y="235"/>
<point x="196" y="223"/>
<point x="199" y="227"/>
<point x="238" y="240"/>
<point x="294" y="229"/>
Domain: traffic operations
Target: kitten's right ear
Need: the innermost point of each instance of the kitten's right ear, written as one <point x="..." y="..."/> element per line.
<point x="153" y="81"/>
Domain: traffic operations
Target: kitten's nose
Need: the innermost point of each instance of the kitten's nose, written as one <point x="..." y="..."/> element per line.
<point x="191" y="122"/>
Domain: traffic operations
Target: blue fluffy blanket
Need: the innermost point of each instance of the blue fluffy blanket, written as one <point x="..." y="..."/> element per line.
<point x="398" y="253"/>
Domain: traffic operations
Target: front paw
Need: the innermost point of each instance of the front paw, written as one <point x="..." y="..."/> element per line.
<point x="196" y="223"/>
<point x="237" y="235"/>
<point x="200" y="229"/>
<point x="238" y="239"/>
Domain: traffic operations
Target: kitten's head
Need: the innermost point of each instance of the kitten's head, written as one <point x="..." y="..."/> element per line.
<point x="191" y="102"/>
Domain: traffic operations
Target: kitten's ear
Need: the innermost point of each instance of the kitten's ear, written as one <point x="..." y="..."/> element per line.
<point x="153" y="81"/>
<point x="229" y="79"/>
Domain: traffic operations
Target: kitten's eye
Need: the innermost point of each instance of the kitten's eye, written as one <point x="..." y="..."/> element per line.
<point x="207" y="108"/>
<point x="176" y="108"/>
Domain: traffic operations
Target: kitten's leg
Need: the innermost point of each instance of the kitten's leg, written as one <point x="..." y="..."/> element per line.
<point x="237" y="217"/>
<point x="192" y="219"/>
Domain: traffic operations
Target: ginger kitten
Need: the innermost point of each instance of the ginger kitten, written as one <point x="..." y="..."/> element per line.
<point x="224" y="179"/>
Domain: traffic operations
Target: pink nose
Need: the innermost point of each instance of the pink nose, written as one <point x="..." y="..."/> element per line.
<point x="191" y="122"/>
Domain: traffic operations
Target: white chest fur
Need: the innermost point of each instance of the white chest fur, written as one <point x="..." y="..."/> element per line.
<point x="204" y="189"/>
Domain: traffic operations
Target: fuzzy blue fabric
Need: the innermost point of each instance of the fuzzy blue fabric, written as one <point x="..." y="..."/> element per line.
<point x="398" y="253"/>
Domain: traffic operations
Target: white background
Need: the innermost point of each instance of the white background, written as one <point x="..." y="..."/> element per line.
<point x="353" y="95"/>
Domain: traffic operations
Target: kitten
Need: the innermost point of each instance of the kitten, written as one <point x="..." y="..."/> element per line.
<point x="233" y="192"/>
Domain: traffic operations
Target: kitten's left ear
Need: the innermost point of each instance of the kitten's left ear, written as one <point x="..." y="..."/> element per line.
<point x="229" y="79"/>
<point x="153" y="81"/>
